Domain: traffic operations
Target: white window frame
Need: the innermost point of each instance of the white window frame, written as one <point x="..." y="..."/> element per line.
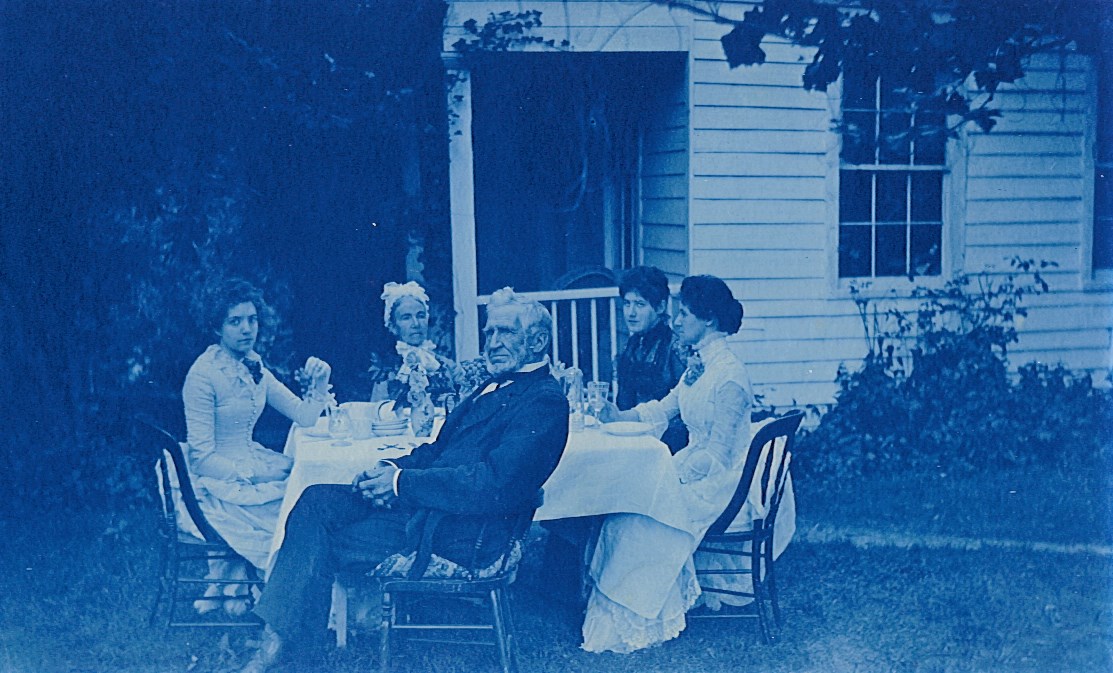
<point x="952" y="236"/>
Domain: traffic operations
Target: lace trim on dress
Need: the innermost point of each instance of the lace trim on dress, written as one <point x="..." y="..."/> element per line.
<point x="611" y="627"/>
<point x="232" y="368"/>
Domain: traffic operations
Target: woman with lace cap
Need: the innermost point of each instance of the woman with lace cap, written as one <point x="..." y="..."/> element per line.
<point x="406" y="315"/>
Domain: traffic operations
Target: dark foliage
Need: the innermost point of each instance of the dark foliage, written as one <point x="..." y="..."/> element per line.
<point x="152" y="149"/>
<point x="935" y="390"/>
<point x="932" y="49"/>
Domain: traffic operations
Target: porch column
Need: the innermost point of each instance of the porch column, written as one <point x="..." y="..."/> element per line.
<point x="462" y="209"/>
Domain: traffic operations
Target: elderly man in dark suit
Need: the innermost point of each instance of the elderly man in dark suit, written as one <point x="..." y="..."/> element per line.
<point x="486" y="466"/>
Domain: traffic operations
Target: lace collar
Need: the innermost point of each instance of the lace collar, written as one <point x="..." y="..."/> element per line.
<point x="711" y="344"/>
<point x="703" y="352"/>
<point x="417" y="355"/>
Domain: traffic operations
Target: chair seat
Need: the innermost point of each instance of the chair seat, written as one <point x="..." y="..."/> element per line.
<point x="398" y="566"/>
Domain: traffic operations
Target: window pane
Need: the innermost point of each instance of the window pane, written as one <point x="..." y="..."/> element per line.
<point x="891" y="247"/>
<point x="891" y="194"/>
<point x="854" y="251"/>
<point x="854" y="196"/>
<point x="895" y="147"/>
<point x="1103" y="243"/>
<point x="858" y="137"/>
<point x="927" y="197"/>
<point x="859" y="89"/>
<point x="1102" y="257"/>
<point x="1104" y="150"/>
<point x="931" y="139"/>
<point x="1103" y="191"/>
<point x="894" y="97"/>
<point x="927" y="248"/>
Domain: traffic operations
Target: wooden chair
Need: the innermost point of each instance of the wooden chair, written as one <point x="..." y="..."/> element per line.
<point x="755" y="544"/>
<point x="184" y="555"/>
<point x="491" y="589"/>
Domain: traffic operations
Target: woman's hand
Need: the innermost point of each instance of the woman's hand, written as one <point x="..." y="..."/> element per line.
<point x="273" y="471"/>
<point x="697" y="466"/>
<point x="318" y="372"/>
<point x="609" y="413"/>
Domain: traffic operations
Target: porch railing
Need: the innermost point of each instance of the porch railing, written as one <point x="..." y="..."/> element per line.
<point x="587" y="328"/>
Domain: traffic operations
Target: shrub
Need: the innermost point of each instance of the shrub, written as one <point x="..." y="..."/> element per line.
<point x="935" y="390"/>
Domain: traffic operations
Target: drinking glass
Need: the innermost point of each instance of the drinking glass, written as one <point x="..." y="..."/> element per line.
<point x="339" y="426"/>
<point x="597" y="392"/>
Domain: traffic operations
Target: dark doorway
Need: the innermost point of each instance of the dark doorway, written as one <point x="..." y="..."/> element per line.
<point x="556" y="141"/>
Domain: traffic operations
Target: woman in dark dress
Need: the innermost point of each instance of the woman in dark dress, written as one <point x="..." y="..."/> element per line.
<point x="651" y="364"/>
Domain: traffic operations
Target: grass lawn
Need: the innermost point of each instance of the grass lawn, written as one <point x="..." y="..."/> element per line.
<point x="74" y="592"/>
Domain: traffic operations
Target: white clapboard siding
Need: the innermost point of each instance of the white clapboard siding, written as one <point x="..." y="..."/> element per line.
<point x="759" y="172"/>
<point x="719" y="216"/>
<point x="1022" y="186"/>
<point x="1025" y="190"/>
<point x="770" y="142"/>
<point x="1022" y="210"/>
<point x="664" y="187"/>
<point x="736" y="172"/>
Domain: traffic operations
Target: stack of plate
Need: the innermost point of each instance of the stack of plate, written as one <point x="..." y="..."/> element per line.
<point x="390" y="428"/>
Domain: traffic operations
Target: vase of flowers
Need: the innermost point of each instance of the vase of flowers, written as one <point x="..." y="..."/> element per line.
<point x="421" y="403"/>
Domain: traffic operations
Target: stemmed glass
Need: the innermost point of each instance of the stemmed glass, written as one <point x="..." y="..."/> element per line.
<point x="597" y="392"/>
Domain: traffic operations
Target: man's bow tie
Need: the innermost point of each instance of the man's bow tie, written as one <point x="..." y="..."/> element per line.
<point x="503" y="378"/>
<point x="497" y="381"/>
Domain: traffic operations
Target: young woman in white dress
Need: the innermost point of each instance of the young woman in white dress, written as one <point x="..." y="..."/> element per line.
<point x="240" y="483"/>
<point x="643" y="571"/>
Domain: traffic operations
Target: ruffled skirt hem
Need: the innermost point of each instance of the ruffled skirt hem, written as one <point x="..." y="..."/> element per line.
<point x="610" y="627"/>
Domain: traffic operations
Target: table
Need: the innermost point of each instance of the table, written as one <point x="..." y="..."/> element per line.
<point x="584" y="483"/>
<point x="598" y="473"/>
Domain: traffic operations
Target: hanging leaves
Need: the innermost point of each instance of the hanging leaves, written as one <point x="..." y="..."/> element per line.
<point x="933" y="48"/>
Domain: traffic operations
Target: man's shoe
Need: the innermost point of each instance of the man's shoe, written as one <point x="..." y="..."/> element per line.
<point x="270" y="647"/>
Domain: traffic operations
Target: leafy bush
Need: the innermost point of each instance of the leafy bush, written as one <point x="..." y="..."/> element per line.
<point x="935" y="390"/>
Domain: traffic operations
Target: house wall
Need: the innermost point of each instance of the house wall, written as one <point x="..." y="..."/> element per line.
<point x="764" y="209"/>
<point x="759" y="216"/>
<point x="1027" y="194"/>
<point x="665" y="181"/>
<point x="762" y="201"/>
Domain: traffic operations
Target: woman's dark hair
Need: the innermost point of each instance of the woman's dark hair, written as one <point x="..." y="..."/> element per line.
<point x="648" y="281"/>
<point x="709" y="298"/>
<point x="230" y="294"/>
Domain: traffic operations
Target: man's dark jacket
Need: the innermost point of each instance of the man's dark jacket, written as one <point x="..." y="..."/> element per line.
<point x="487" y="464"/>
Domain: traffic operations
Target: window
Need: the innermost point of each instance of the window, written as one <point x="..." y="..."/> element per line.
<point x="1102" y="249"/>
<point x="891" y="181"/>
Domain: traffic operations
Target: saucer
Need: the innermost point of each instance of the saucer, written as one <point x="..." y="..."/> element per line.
<point x="626" y="428"/>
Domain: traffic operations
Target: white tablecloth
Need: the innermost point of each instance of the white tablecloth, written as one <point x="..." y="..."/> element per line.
<point x="598" y="473"/>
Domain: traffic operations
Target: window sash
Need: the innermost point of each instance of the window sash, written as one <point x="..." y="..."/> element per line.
<point x="889" y="232"/>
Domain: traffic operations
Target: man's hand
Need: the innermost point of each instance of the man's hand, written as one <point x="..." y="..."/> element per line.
<point x="377" y="484"/>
